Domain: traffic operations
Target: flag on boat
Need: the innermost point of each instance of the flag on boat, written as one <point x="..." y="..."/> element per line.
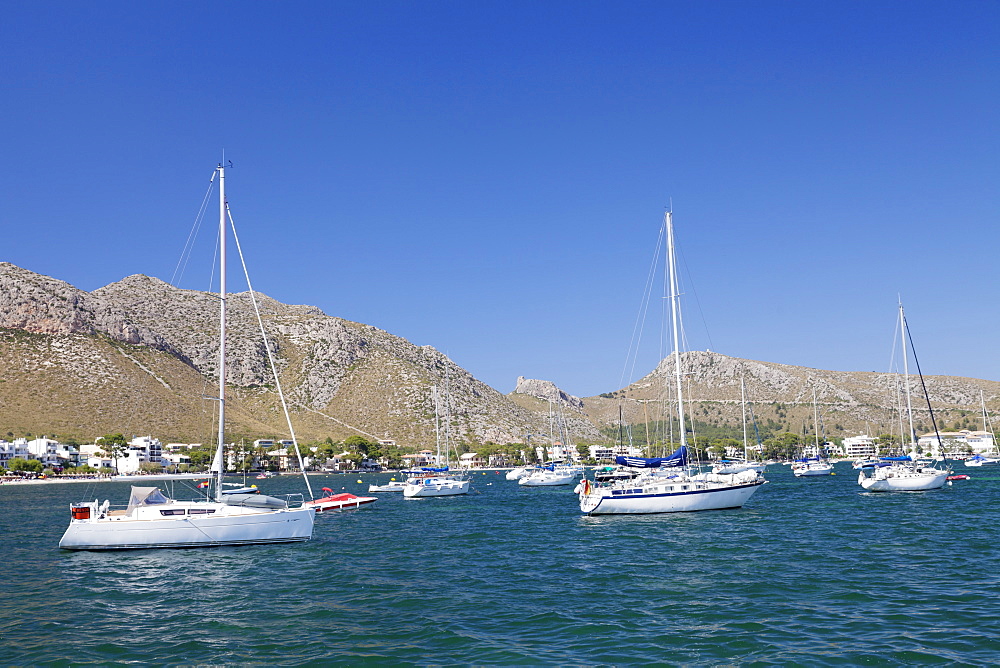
<point x="203" y="484"/>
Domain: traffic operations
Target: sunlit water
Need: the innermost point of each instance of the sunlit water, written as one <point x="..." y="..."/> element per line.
<point x="811" y="571"/>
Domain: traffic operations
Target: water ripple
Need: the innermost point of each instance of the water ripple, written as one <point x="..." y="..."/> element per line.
<point x="810" y="572"/>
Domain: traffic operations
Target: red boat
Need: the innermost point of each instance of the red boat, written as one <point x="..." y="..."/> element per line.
<point x="960" y="476"/>
<point x="340" y="501"/>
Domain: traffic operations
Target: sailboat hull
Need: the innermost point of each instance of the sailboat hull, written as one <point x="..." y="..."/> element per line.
<point x="423" y="487"/>
<point x="218" y="529"/>
<point x="903" y="481"/>
<point x="667" y="497"/>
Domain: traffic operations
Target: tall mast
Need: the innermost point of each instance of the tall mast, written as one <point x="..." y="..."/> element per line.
<point x="674" y="316"/>
<point x="906" y="374"/>
<point x="816" y="420"/>
<point x="743" y="400"/>
<point x="219" y="456"/>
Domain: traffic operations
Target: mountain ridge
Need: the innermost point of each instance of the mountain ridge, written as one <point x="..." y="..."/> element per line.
<point x="139" y="354"/>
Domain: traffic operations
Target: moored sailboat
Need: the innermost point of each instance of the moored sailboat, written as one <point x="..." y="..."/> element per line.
<point x="903" y="474"/>
<point x="671" y="484"/>
<point x="437" y="481"/>
<point x="153" y="520"/>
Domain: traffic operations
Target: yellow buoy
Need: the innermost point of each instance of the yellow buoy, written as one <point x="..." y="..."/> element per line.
<point x="359" y="482"/>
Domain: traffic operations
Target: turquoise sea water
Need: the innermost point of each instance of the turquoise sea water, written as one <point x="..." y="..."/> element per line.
<point x="811" y="571"/>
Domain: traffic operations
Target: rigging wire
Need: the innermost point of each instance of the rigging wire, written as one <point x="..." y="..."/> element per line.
<point x="267" y="347"/>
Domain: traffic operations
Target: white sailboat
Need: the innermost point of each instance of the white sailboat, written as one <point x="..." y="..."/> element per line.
<point x="980" y="460"/>
<point x="728" y="467"/>
<point x="153" y="520"/>
<point x="902" y="474"/>
<point x="669" y="484"/>
<point x="809" y="467"/>
<point x="437" y="481"/>
<point x="549" y="476"/>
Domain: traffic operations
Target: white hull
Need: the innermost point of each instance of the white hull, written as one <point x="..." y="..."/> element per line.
<point x="982" y="462"/>
<point x="739" y="467"/>
<point x="323" y="505"/>
<point x="389" y="487"/>
<point x="548" y="479"/>
<point x="811" y="470"/>
<point x="227" y="525"/>
<point x="423" y="487"/>
<point x="663" y="495"/>
<point x="903" y="479"/>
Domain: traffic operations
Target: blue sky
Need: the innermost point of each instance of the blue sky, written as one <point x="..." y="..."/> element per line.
<point x="489" y="177"/>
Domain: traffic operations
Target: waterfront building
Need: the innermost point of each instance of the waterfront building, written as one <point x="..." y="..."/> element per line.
<point x="957" y="443"/>
<point x="471" y="460"/>
<point x="859" y="447"/>
<point x="12" y="449"/>
<point x="607" y="453"/>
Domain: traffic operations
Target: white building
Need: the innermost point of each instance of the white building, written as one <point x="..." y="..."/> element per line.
<point x="860" y="447"/>
<point x="607" y="453"/>
<point x="10" y="450"/>
<point x="957" y="443"/>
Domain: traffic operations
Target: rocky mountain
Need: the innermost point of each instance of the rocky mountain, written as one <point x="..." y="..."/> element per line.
<point x="139" y="356"/>
<point x="781" y="395"/>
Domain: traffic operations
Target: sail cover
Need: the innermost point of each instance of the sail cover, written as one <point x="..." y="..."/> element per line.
<point x="145" y="496"/>
<point x="678" y="458"/>
<point x="896" y="459"/>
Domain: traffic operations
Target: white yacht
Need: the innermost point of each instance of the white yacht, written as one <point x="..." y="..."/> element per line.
<point x="152" y="519"/>
<point x="678" y="487"/>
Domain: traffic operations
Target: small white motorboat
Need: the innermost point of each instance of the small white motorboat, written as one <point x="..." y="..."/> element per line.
<point x="342" y="501"/>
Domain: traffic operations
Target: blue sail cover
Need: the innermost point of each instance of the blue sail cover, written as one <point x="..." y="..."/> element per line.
<point x="896" y="459"/>
<point x="434" y="470"/>
<point x="678" y="458"/>
<point x="808" y="459"/>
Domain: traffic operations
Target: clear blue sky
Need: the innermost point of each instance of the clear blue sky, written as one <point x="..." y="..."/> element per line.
<point x="489" y="177"/>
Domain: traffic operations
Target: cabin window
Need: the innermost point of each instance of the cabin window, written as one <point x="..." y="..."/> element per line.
<point x="172" y="512"/>
<point x="201" y="511"/>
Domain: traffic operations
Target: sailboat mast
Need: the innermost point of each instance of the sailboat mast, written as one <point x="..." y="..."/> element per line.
<point x="743" y="400"/>
<point x="816" y="420"/>
<point x="674" y="317"/>
<point x="437" y="426"/>
<point x="219" y="456"/>
<point x="906" y="374"/>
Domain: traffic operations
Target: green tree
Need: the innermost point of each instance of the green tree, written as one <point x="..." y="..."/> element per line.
<point x="113" y="446"/>
<point x="22" y="465"/>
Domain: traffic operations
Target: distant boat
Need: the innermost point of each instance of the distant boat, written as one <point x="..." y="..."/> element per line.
<point x="548" y="476"/>
<point x="978" y="460"/>
<point x="152" y="519"/>
<point x="809" y="467"/>
<point x="731" y="466"/>
<point x="391" y="486"/>
<point x="437" y="481"/>
<point x="669" y="484"/>
<point x="517" y="473"/>
<point x="342" y="501"/>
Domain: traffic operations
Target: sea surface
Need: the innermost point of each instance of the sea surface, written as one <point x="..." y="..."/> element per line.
<point x="809" y="572"/>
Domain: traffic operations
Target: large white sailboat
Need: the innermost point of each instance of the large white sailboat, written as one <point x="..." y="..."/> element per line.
<point x="153" y="520"/>
<point x="669" y="485"/>
<point x="903" y="474"/>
